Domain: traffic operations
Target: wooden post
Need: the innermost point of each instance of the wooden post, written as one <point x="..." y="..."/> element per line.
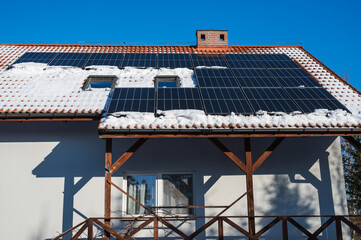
<point x="107" y="188"/>
<point x="90" y="229"/>
<point x="249" y="181"/>
<point x="155" y="228"/>
<point x="284" y="229"/>
<point x="220" y="229"/>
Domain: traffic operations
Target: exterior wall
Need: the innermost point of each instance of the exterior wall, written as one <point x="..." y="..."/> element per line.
<point x="52" y="178"/>
<point x="212" y="38"/>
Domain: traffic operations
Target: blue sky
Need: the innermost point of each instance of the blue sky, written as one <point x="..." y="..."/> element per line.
<point x="330" y="30"/>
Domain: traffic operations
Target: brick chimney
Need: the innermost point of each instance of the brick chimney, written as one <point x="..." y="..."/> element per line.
<point x="212" y="38"/>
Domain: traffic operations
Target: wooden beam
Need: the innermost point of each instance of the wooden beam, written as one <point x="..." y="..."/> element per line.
<point x="107" y="187"/>
<point x="126" y="155"/>
<point x="249" y="183"/>
<point x="353" y="142"/>
<point x="229" y="154"/>
<point x="267" y="153"/>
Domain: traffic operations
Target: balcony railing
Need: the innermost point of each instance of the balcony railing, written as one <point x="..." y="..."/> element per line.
<point x="84" y="230"/>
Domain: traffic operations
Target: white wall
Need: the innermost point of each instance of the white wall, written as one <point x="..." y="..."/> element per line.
<point x="52" y="177"/>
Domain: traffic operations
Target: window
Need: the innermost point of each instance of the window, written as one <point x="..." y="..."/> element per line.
<point x="166" y="193"/>
<point x="221" y="37"/>
<point x="203" y="37"/>
<point x="98" y="81"/>
<point x="169" y="81"/>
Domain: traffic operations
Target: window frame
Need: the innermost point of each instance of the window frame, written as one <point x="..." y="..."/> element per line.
<point x="101" y="78"/>
<point x="158" y="186"/>
<point x="167" y="78"/>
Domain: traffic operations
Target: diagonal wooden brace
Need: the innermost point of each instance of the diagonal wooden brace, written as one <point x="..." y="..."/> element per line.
<point x="127" y="155"/>
<point x="267" y="153"/>
<point x="229" y="154"/>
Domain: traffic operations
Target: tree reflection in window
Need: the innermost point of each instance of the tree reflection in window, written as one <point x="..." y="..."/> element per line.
<point x="142" y="188"/>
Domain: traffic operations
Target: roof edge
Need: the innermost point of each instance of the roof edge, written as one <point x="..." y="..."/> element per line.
<point x="331" y="71"/>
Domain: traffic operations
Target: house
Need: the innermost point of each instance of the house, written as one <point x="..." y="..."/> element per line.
<point x="175" y="141"/>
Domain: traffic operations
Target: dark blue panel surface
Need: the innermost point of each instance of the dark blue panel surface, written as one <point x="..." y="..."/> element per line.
<point x="277" y="61"/>
<point x="243" y="61"/>
<point x="132" y="100"/>
<point x="294" y="78"/>
<point x="215" y="77"/>
<point x="208" y="60"/>
<point x="36" y="57"/>
<point x="70" y="59"/>
<point x="141" y="60"/>
<point x="224" y="101"/>
<point x="254" y="78"/>
<point x="105" y="59"/>
<point x="168" y="60"/>
<point x="310" y="99"/>
<point x="178" y="98"/>
<point x="270" y="100"/>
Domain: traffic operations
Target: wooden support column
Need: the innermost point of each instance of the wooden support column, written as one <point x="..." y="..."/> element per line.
<point x="107" y="188"/>
<point x="249" y="181"/>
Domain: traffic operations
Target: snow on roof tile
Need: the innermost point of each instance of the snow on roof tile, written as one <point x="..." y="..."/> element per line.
<point x="18" y="95"/>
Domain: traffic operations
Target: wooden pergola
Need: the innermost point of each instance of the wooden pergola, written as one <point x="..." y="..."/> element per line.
<point x="248" y="167"/>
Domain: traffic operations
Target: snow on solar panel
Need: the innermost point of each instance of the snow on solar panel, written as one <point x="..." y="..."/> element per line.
<point x="208" y="60"/>
<point x="243" y="61"/>
<point x="254" y="78"/>
<point x="310" y="99"/>
<point x="174" y="60"/>
<point x="70" y="59"/>
<point x="105" y="59"/>
<point x="36" y="57"/>
<point x="270" y="100"/>
<point x="277" y="61"/>
<point x="178" y="98"/>
<point x="141" y="60"/>
<point x="224" y="101"/>
<point x="294" y="78"/>
<point x="132" y="100"/>
<point x="215" y="77"/>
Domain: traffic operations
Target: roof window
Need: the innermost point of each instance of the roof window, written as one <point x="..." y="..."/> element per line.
<point x="203" y="37"/>
<point x="100" y="81"/>
<point x="168" y="81"/>
<point x="221" y="37"/>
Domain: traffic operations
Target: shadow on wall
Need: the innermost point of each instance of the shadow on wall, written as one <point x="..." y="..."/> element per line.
<point x="73" y="158"/>
<point x="288" y="194"/>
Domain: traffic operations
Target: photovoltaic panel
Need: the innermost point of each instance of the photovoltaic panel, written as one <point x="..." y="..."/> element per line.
<point x="132" y="100"/>
<point x="224" y="101"/>
<point x="141" y="60"/>
<point x="277" y="61"/>
<point x="243" y="61"/>
<point x="178" y="98"/>
<point x="294" y="78"/>
<point x="310" y="99"/>
<point x="70" y="59"/>
<point x="105" y="59"/>
<point x="270" y="100"/>
<point x="208" y="60"/>
<point x="36" y="57"/>
<point x="180" y="60"/>
<point x="254" y="78"/>
<point x="215" y="77"/>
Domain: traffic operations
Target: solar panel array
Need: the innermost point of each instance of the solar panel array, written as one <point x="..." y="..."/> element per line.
<point x="239" y="83"/>
<point x="37" y="57"/>
<point x="105" y="59"/>
<point x="132" y="100"/>
<point x="70" y="59"/>
<point x="178" y="98"/>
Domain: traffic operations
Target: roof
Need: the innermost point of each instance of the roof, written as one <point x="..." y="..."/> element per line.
<point x="26" y="92"/>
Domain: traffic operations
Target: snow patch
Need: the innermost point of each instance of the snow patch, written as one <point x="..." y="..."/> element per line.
<point x="182" y="118"/>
